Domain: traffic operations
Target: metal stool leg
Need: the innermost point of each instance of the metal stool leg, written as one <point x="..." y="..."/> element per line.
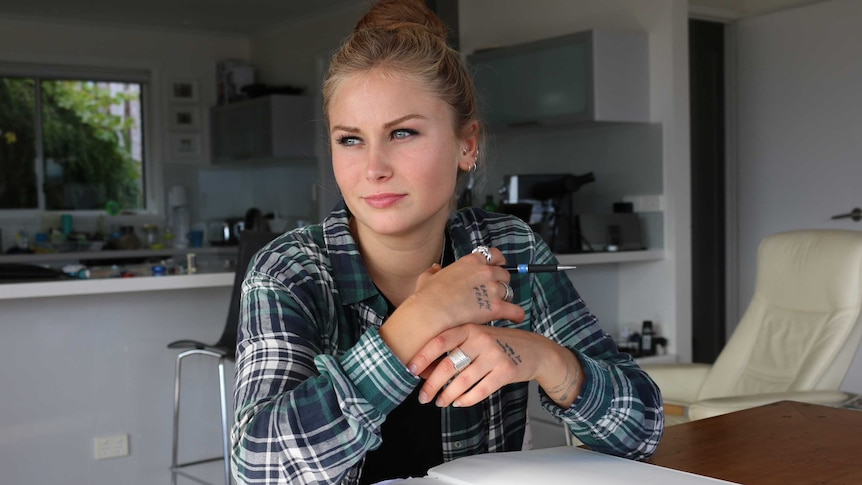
<point x="224" y="424"/>
<point x="176" y="427"/>
<point x="176" y="467"/>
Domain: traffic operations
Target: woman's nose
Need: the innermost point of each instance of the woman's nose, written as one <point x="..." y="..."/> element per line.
<point x="378" y="166"/>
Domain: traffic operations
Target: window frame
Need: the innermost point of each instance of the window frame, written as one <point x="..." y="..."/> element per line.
<point x="142" y="76"/>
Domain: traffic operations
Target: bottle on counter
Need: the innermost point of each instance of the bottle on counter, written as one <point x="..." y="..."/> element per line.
<point x="647" y="343"/>
<point x="489" y="204"/>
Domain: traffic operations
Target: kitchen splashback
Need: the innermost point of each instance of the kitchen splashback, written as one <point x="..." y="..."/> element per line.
<point x="216" y="192"/>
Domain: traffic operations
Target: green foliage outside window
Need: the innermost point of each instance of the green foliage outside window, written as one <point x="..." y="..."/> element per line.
<point x="17" y="144"/>
<point x="87" y="137"/>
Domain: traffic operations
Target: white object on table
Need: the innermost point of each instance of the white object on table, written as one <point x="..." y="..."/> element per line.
<point x="554" y="466"/>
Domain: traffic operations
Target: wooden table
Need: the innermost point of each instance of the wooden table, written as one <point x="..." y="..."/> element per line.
<point x="782" y="443"/>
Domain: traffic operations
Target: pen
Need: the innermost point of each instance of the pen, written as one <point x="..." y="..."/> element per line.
<point x="537" y="268"/>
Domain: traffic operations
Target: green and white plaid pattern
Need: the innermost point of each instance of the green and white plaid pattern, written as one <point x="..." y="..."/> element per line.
<point x="314" y="380"/>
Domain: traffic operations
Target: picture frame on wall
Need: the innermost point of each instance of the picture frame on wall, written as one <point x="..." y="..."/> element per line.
<point x="184" y="118"/>
<point x="183" y="91"/>
<point x="185" y="146"/>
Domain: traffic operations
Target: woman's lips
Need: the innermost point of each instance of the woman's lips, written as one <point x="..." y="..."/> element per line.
<point x="382" y="201"/>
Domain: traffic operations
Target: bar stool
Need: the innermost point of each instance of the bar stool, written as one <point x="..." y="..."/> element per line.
<point x="222" y="351"/>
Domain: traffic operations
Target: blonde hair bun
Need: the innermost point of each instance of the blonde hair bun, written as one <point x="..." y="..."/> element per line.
<point x="393" y="15"/>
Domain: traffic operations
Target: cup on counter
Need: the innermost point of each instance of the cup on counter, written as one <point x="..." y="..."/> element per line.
<point x="67" y="224"/>
<point x="196" y="238"/>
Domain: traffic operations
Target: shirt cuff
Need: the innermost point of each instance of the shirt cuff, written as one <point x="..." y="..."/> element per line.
<point x="379" y="376"/>
<point x="592" y="402"/>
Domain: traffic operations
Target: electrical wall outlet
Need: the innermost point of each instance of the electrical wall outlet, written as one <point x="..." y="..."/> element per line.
<point x="111" y="446"/>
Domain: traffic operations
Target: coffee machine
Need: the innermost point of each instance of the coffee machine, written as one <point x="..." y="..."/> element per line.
<point x="545" y="201"/>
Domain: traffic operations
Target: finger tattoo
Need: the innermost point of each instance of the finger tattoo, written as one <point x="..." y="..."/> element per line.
<point x="510" y="352"/>
<point x="482" y="297"/>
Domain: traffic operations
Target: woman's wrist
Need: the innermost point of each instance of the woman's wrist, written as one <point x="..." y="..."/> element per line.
<point x="411" y="326"/>
<point x="562" y="376"/>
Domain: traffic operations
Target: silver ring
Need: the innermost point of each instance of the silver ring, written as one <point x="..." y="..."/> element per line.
<point x="459" y="359"/>
<point x="484" y="251"/>
<point x="509" y="293"/>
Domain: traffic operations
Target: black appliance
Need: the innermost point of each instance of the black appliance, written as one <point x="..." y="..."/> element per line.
<point x="545" y="201"/>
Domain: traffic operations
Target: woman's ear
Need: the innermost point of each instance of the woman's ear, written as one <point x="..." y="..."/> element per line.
<point x="469" y="151"/>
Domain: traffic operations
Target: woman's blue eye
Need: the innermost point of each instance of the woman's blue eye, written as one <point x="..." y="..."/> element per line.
<point x="347" y="140"/>
<point x="402" y="133"/>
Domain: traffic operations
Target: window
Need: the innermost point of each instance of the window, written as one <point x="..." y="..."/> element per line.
<point x="71" y="141"/>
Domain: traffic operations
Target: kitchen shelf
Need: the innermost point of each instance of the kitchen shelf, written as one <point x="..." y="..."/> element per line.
<point x="44" y="258"/>
<point x="611" y="257"/>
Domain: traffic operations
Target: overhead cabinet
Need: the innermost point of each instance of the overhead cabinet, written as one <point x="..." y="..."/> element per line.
<point x="270" y="127"/>
<point x="596" y="75"/>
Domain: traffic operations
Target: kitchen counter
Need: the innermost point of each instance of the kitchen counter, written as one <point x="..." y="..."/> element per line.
<point x="208" y="275"/>
<point x="211" y="279"/>
<point x="48" y="258"/>
<point x="114" y="285"/>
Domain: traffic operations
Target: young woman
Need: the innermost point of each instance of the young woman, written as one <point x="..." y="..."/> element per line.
<point x="388" y="338"/>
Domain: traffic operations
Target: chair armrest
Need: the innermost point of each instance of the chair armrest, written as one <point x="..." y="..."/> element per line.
<point x="679" y="383"/>
<point x="723" y="405"/>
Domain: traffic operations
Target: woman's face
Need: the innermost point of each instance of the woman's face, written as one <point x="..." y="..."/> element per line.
<point x="395" y="153"/>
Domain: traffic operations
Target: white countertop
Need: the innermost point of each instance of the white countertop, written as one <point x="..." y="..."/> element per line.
<point x="114" y="285"/>
<point x="208" y="280"/>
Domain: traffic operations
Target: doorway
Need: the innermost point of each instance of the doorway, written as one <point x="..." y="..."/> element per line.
<point x="708" y="228"/>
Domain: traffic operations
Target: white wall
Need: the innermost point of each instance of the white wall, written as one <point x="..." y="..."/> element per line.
<point x="800" y="141"/>
<point x="656" y="291"/>
<point x="289" y="55"/>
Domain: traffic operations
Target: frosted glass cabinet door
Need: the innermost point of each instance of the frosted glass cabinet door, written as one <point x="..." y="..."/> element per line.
<point x="598" y="75"/>
<point x="271" y="127"/>
<point x="240" y="130"/>
<point x="527" y="87"/>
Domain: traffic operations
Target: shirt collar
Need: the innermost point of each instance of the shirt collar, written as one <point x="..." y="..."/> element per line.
<point x="348" y="270"/>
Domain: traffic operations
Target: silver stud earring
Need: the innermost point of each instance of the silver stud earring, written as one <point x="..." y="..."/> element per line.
<point x="477" y="155"/>
<point x="463" y="151"/>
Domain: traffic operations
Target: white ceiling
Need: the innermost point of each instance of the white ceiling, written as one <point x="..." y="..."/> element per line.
<point x="237" y="17"/>
<point x="248" y="17"/>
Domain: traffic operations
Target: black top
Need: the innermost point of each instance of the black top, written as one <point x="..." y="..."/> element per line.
<point x="412" y="436"/>
<point x="412" y="442"/>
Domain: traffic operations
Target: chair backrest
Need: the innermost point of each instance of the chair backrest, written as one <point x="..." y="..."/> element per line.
<point x="250" y="242"/>
<point x="803" y="326"/>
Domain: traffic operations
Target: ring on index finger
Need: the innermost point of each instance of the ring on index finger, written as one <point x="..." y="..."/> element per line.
<point x="509" y="293"/>
<point x="459" y="359"/>
<point x="484" y="251"/>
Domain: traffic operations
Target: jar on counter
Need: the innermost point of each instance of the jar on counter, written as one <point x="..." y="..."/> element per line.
<point x="128" y="239"/>
<point x="151" y="236"/>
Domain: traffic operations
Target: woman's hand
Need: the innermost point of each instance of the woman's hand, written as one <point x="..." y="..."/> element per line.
<point x="470" y="290"/>
<point x="498" y="356"/>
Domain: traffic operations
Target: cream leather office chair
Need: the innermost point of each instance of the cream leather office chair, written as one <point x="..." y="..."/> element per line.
<point x="796" y="339"/>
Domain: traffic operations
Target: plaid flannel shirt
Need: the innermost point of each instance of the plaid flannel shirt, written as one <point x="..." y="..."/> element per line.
<point x="314" y="380"/>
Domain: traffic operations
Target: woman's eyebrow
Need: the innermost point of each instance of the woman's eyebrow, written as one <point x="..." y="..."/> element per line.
<point x="390" y="124"/>
<point x="403" y="119"/>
